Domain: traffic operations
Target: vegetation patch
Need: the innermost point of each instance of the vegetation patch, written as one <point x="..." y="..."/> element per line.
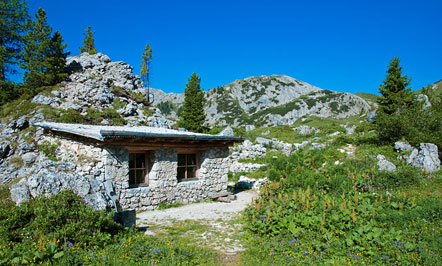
<point x="49" y="149"/>
<point x="316" y="212"/>
<point x="138" y="97"/>
<point x="62" y="230"/>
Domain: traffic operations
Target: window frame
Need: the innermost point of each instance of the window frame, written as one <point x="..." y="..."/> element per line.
<point x="185" y="179"/>
<point x="146" y="169"/>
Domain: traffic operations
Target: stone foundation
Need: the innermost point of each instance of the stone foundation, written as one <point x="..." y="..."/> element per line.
<point x="109" y="166"/>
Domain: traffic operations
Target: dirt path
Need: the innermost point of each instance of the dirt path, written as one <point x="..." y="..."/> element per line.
<point x="213" y="224"/>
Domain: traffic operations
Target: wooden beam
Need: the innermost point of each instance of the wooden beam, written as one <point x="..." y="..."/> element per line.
<point x="156" y="145"/>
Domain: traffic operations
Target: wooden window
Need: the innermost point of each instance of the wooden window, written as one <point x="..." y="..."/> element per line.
<point x="138" y="168"/>
<point x="187" y="166"/>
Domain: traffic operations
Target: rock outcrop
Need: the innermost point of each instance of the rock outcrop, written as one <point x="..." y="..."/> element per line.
<point x="247" y="150"/>
<point x="268" y="100"/>
<point x="98" y="85"/>
<point x="425" y="158"/>
<point x="384" y="164"/>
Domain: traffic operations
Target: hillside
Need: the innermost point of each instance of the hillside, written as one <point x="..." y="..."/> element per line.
<point x="267" y="100"/>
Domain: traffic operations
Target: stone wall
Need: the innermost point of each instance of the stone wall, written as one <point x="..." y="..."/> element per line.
<point x="163" y="185"/>
<point x="98" y="174"/>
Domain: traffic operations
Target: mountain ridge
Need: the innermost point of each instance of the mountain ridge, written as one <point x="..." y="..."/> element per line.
<point x="267" y="100"/>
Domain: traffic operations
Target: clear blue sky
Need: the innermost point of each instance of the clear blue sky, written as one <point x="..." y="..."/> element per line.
<point x="336" y="45"/>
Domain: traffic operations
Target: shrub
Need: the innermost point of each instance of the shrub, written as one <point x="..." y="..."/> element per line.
<point x="118" y="104"/>
<point x="49" y="149"/>
<point x="71" y="116"/>
<point x="62" y="230"/>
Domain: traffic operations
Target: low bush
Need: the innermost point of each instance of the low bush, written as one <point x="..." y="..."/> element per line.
<point x="316" y="212"/>
<point x="62" y="230"/>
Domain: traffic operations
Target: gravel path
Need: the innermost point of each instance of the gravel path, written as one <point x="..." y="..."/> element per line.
<point x="217" y="226"/>
<point x="198" y="211"/>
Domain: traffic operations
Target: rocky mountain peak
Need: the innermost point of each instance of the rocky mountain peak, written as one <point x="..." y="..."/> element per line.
<point x="105" y="90"/>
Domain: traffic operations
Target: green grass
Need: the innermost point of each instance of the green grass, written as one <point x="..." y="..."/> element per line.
<point x="62" y="230"/>
<point x="165" y="205"/>
<point x="318" y="213"/>
<point x="367" y="96"/>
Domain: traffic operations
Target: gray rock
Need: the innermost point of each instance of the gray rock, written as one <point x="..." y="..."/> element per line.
<point x="350" y="130"/>
<point x="228" y="131"/>
<point x="75" y="107"/>
<point x="371" y="117"/>
<point x="24" y="147"/>
<point x="249" y="127"/>
<point x="21" y="123"/>
<point x="426" y="158"/>
<point x="129" y="110"/>
<point x="19" y="192"/>
<point x="41" y="99"/>
<point x="318" y="146"/>
<point x="384" y="164"/>
<point x="237" y="167"/>
<point x="96" y="200"/>
<point x="56" y="93"/>
<point x="334" y="134"/>
<point x="38" y="117"/>
<point x="306" y="130"/>
<point x="401" y="146"/>
<point x="424" y="99"/>
<point x="249" y="183"/>
<point x="29" y="157"/>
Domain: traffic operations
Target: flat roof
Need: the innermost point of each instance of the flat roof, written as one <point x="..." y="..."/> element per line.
<point x="103" y="133"/>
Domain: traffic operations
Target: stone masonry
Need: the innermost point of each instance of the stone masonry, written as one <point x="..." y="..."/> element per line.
<point x="100" y="173"/>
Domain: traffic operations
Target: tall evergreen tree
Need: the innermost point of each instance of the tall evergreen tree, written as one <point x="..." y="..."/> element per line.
<point x="55" y="60"/>
<point x="36" y="44"/>
<point x="43" y="57"/>
<point x="88" y="42"/>
<point x="13" y="15"/>
<point x="395" y="94"/>
<point x="193" y="115"/>
<point x="146" y="60"/>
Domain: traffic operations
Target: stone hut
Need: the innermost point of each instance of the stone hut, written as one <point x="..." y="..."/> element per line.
<point x="141" y="167"/>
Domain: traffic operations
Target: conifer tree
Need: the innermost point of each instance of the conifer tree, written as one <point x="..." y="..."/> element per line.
<point x="43" y="57"/>
<point x="145" y="68"/>
<point x="55" y="60"/>
<point x="88" y="42"/>
<point x="13" y="16"/>
<point x="395" y="94"/>
<point x="193" y="115"/>
<point x="33" y="55"/>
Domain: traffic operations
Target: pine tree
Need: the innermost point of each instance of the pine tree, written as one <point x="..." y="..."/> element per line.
<point x="36" y="43"/>
<point x="88" y="42"/>
<point x="395" y="94"/>
<point x="145" y="68"/>
<point x="193" y="115"/>
<point x="43" y="58"/>
<point x="55" y="60"/>
<point x="13" y="15"/>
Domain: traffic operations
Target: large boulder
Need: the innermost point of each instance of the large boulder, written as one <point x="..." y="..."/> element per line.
<point x="401" y="146"/>
<point x="306" y="130"/>
<point x="426" y="158"/>
<point x="371" y="117"/>
<point x="49" y="178"/>
<point x="228" y="132"/>
<point x="384" y="164"/>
